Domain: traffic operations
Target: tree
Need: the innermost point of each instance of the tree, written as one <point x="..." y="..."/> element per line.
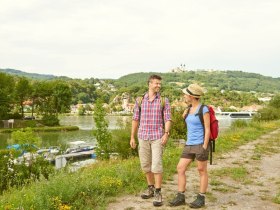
<point x="53" y="97"/>
<point x="43" y="92"/>
<point x="101" y="133"/>
<point x="6" y="95"/>
<point x="61" y="97"/>
<point x="34" y="96"/>
<point x="22" y="92"/>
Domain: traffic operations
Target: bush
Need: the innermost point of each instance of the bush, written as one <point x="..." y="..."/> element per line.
<point x="271" y="112"/>
<point x="50" y="120"/>
<point x="267" y="113"/>
<point x="26" y="137"/>
<point x="15" y="116"/>
<point x="121" y="139"/>
<point x="178" y="129"/>
<point x="29" y="123"/>
<point x="275" y="102"/>
<point x="20" y="174"/>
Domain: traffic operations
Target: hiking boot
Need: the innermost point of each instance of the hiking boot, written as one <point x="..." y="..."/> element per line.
<point x="198" y="202"/>
<point x="148" y="193"/>
<point x="178" y="200"/>
<point x="158" y="199"/>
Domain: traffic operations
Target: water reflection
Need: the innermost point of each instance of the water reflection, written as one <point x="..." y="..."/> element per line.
<point x="87" y="122"/>
<point x="54" y="138"/>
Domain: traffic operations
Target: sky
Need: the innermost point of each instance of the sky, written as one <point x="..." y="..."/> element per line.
<point x="113" y="38"/>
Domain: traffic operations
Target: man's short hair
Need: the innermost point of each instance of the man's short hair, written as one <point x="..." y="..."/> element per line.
<point x="154" y="76"/>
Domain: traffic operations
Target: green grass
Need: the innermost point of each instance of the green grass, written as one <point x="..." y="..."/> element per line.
<point x="271" y="146"/>
<point x="94" y="187"/>
<point x="216" y="183"/>
<point x="276" y="199"/>
<point x="235" y="173"/>
<point x="211" y="197"/>
<point x="224" y="189"/>
<point x="237" y="136"/>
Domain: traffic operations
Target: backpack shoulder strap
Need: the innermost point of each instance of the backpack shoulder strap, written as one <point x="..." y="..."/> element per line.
<point x="139" y="101"/>
<point x="200" y="114"/>
<point x="162" y="102"/>
<point x="162" y="105"/>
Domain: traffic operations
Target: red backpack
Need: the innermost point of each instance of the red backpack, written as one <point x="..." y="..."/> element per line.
<point x="214" y="127"/>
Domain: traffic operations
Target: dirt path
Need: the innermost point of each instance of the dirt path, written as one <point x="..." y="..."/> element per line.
<point x="256" y="191"/>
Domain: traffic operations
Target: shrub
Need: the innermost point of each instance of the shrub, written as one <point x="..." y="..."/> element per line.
<point x="29" y="123"/>
<point x="178" y="130"/>
<point x="275" y="102"/>
<point x="50" y="120"/>
<point x="15" y="115"/>
<point x="121" y="139"/>
<point x="19" y="174"/>
<point x="26" y="138"/>
<point x="267" y="113"/>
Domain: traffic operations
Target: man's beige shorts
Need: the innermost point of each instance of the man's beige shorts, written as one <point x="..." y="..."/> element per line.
<point x="150" y="154"/>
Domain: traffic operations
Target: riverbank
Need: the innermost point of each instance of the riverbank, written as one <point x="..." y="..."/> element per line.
<point x="42" y="129"/>
<point x="96" y="186"/>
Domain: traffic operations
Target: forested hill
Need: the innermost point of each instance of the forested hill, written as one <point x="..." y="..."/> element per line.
<point x="227" y="80"/>
<point x="28" y="75"/>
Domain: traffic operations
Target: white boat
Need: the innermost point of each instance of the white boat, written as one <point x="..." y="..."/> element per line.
<point x="79" y="146"/>
<point x="51" y="150"/>
<point x="49" y="153"/>
<point x="236" y="115"/>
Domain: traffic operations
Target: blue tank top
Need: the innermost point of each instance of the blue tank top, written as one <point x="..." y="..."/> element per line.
<point x="195" y="134"/>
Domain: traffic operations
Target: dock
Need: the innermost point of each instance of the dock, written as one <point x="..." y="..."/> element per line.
<point x="61" y="160"/>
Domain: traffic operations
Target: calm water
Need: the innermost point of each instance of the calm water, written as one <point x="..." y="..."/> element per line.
<point x="86" y="124"/>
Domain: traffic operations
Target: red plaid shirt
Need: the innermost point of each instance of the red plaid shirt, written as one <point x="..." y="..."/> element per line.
<point x="151" y="120"/>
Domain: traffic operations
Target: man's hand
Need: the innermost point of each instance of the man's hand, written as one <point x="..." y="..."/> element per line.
<point x="132" y="143"/>
<point x="164" y="139"/>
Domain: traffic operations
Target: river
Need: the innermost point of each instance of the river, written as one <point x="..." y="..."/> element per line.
<point x="86" y="124"/>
